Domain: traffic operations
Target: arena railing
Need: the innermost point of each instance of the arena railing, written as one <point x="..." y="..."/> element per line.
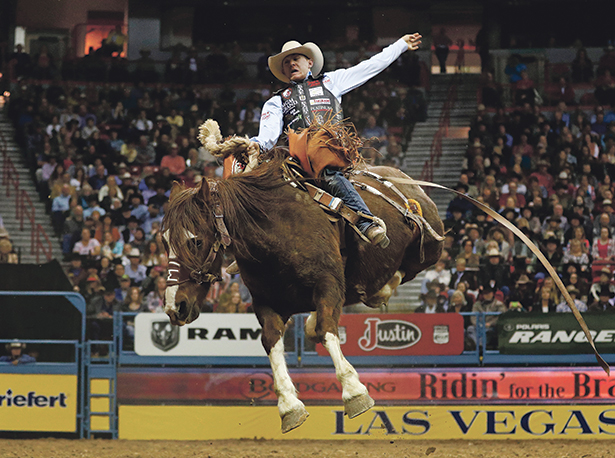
<point x="304" y="354"/>
<point x="40" y="243"/>
<point x="427" y="173"/>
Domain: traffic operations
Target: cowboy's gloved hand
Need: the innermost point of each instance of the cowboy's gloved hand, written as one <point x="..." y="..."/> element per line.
<point x="413" y="40"/>
<point x="253" y="151"/>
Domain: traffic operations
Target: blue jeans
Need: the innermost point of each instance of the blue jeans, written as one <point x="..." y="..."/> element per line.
<point x="339" y="186"/>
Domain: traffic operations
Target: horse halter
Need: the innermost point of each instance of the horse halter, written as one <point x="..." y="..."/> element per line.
<point x="179" y="274"/>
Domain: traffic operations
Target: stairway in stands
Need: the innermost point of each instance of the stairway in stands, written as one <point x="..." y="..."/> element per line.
<point x="8" y="205"/>
<point x="447" y="171"/>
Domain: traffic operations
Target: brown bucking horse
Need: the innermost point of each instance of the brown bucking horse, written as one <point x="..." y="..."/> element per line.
<point x="294" y="260"/>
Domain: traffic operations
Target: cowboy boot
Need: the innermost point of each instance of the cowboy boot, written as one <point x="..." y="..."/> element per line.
<point x="376" y="234"/>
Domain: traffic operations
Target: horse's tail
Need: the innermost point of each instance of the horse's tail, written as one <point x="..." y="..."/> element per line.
<point x="211" y="138"/>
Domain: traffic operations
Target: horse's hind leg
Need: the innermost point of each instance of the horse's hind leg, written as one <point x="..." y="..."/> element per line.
<point x="354" y="393"/>
<point x="292" y="410"/>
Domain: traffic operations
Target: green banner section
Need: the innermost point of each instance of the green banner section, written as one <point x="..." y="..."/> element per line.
<point x="554" y="333"/>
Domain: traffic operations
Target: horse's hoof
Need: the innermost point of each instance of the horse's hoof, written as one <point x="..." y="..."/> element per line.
<point x="357" y="405"/>
<point x="293" y="419"/>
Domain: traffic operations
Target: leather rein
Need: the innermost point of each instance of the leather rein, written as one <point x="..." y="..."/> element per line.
<point x="179" y="274"/>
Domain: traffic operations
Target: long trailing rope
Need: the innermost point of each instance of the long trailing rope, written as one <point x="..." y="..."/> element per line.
<point x="531" y="246"/>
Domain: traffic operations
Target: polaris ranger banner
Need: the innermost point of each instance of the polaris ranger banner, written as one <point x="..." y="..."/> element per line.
<point x="554" y="333"/>
<point x="400" y="334"/>
<point x="212" y="334"/>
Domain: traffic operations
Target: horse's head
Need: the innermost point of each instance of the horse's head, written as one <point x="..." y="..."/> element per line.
<point x="195" y="237"/>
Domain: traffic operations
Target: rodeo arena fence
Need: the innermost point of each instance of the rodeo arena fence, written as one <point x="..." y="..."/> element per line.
<point x="211" y="379"/>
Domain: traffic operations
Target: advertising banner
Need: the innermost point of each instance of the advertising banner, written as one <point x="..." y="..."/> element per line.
<point x="554" y="333"/>
<point x="391" y="423"/>
<point x="212" y="334"/>
<point x="400" y="334"/>
<point x="33" y="402"/>
<point x="393" y="386"/>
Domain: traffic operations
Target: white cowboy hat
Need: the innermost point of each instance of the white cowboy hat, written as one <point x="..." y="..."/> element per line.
<point x="310" y="50"/>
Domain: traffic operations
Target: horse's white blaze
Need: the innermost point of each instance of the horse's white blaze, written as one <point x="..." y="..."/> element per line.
<point x="345" y="373"/>
<point x="171" y="291"/>
<point x="284" y="388"/>
<point x="169" y="299"/>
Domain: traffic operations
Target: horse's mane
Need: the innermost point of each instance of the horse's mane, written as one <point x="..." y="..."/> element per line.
<point x="246" y="200"/>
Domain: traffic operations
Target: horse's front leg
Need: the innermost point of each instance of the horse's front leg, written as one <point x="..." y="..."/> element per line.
<point x="329" y="300"/>
<point x="292" y="410"/>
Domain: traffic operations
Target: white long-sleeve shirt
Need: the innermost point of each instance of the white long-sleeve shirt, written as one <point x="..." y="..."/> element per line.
<point x="339" y="82"/>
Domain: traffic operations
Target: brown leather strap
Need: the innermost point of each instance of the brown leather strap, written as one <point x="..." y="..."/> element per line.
<point x="334" y="204"/>
<point x="532" y="247"/>
<point x="225" y="238"/>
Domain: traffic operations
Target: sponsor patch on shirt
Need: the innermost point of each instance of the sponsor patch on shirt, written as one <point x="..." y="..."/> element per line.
<point x="265" y="115"/>
<point x="286" y="94"/>
<point x="320" y="102"/>
<point x="316" y="91"/>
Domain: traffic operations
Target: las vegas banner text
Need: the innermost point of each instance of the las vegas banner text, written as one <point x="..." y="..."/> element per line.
<point x="388" y="422"/>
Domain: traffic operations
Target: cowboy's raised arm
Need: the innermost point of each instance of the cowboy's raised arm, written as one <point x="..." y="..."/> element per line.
<point x="346" y="79"/>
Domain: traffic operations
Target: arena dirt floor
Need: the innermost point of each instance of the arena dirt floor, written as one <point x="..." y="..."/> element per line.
<point x="65" y="448"/>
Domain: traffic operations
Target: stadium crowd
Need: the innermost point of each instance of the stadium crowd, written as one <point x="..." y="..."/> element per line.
<point x="548" y="169"/>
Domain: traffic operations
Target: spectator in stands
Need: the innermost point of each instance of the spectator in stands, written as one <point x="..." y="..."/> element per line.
<point x="607" y="60"/>
<point x="76" y="273"/>
<point x="487" y="303"/>
<point x="111" y="248"/>
<point x="460" y="274"/>
<point x="438" y="274"/>
<point x="467" y="252"/>
<point x="16" y="355"/>
<point x="173" y="161"/>
<point x="8" y="255"/>
<point x="501" y="238"/>
<point x="103" y="305"/>
<point x="375" y="136"/>
<point x="122" y="288"/>
<point x="138" y="208"/>
<point x="60" y="209"/>
<point x="524" y="90"/>
<point x="604" y="281"/>
<point x="605" y="301"/>
<point x="519" y="199"/>
<point x="430" y="303"/>
<point x="491" y="91"/>
<point x="139" y="241"/>
<point x="575" y="255"/>
<point x="514" y="68"/>
<point x="563" y="306"/>
<point x="603" y="248"/>
<point x="141" y="123"/>
<point x="19" y="62"/>
<point x="494" y="272"/>
<point x="581" y="283"/>
<point x="605" y="88"/>
<point x="114" y="43"/>
<point x="135" y="270"/>
<point x="442" y="42"/>
<point x="582" y="67"/>
<point x="87" y="245"/>
<point x="154" y="301"/>
<point x="233" y="304"/>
